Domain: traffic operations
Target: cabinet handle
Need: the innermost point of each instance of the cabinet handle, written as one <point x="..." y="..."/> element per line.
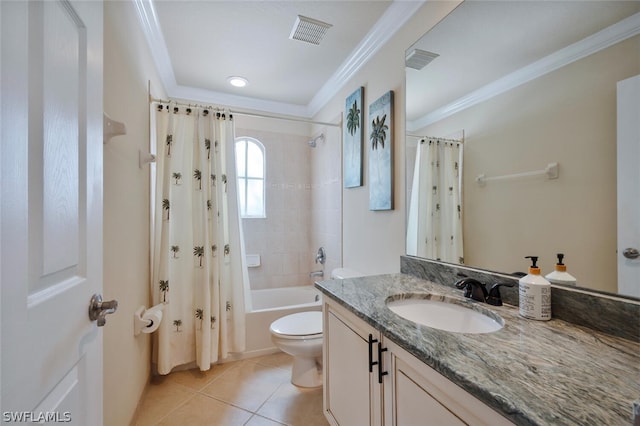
<point x="371" y="362"/>
<point x="380" y="372"/>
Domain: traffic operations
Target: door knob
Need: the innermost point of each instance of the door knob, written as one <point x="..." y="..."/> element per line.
<point x="98" y="309"/>
<point x="631" y="253"/>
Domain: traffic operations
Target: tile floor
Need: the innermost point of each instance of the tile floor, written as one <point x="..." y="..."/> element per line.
<point x="252" y="392"/>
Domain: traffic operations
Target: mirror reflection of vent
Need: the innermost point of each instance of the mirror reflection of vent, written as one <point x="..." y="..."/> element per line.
<point x="309" y="30"/>
<point x="418" y="59"/>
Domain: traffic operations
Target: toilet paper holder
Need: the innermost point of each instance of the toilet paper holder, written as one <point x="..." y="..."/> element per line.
<point x="147" y="320"/>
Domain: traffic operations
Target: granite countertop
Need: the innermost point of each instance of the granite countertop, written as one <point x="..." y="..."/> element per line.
<point x="533" y="372"/>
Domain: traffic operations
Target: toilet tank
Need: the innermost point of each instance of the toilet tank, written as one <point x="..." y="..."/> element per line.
<point x="342" y="273"/>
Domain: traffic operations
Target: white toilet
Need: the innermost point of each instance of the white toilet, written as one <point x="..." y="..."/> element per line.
<point x="300" y="335"/>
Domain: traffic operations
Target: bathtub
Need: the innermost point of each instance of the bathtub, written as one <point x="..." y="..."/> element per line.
<point x="268" y="305"/>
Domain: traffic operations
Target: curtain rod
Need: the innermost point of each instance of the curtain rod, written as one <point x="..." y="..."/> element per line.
<point x="247" y="114"/>
<point x="435" y="137"/>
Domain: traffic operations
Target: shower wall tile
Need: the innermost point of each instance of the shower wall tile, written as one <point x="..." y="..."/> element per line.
<point x="273" y="264"/>
<point x="304" y="209"/>
<point x="290" y="264"/>
<point x="257" y="279"/>
<point x="284" y="233"/>
<point x="326" y="213"/>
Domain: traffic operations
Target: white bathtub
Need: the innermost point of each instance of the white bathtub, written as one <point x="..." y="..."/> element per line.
<point x="268" y="305"/>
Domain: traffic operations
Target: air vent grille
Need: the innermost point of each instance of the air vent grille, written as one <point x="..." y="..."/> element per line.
<point x="309" y="30"/>
<point x="418" y="59"/>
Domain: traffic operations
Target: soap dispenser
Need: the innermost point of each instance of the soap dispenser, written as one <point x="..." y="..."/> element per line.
<point x="560" y="274"/>
<point x="535" y="294"/>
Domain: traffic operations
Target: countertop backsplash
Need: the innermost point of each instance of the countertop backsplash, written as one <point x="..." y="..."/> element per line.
<point x="606" y="313"/>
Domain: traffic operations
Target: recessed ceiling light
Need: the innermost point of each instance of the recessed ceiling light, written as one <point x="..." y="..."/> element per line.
<point x="237" y="81"/>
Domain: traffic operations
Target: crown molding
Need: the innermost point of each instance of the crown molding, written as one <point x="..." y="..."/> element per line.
<point x="155" y="39"/>
<point x="396" y="15"/>
<point x="389" y="23"/>
<point x="596" y="42"/>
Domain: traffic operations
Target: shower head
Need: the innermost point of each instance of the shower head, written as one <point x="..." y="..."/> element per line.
<point x="313" y="142"/>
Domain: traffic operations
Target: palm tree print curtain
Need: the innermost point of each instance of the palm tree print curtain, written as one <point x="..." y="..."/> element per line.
<point x="434" y="227"/>
<point x="198" y="272"/>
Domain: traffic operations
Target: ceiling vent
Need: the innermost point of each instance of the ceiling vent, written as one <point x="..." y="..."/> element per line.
<point x="309" y="30"/>
<point x="418" y="59"/>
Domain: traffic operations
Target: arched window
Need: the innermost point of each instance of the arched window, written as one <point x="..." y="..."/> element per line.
<point x="250" y="163"/>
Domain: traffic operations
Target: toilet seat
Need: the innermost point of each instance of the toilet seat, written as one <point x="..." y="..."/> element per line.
<point x="302" y="325"/>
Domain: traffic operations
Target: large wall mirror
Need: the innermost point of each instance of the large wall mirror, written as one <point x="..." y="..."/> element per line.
<point x="524" y="85"/>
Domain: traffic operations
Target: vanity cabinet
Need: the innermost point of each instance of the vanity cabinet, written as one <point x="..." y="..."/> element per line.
<point x="351" y="394"/>
<point x="403" y="391"/>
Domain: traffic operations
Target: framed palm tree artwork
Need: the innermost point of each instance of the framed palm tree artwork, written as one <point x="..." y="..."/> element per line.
<point x="353" y="139"/>
<point x="381" y="153"/>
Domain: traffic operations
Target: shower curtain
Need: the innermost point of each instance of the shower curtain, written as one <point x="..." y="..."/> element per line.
<point x="197" y="253"/>
<point x="434" y="227"/>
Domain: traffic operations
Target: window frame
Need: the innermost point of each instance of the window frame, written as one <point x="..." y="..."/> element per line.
<point x="245" y="179"/>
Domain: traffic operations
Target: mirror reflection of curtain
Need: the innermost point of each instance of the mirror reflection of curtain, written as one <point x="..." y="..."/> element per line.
<point x="434" y="227"/>
<point x="197" y="251"/>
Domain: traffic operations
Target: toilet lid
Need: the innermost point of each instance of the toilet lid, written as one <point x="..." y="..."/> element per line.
<point x="300" y="324"/>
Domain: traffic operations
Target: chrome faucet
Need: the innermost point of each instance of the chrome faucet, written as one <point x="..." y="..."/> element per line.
<point x="321" y="256"/>
<point x="319" y="273"/>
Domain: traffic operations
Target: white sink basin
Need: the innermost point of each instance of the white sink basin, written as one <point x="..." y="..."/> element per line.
<point x="445" y="313"/>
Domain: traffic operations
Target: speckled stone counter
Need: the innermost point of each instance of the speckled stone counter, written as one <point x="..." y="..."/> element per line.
<point x="533" y="372"/>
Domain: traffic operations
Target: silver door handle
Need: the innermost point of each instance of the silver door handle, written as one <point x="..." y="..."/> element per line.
<point x="98" y="309"/>
<point x="631" y="253"/>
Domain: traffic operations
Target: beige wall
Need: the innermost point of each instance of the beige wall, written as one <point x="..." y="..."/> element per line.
<point x="127" y="68"/>
<point x="567" y="116"/>
<point x="373" y="241"/>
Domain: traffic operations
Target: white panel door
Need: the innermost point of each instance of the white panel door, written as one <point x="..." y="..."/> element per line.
<point x="51" y="210"/>
<point x="629" y="186"/>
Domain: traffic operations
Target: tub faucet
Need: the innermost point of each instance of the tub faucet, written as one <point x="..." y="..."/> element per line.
<point x="319" y="273"/>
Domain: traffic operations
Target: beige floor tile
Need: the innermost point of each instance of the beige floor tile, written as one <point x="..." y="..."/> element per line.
<point x="247" y="385"/>
<point x="295" y="406"/>
<point x="196" y="379"/>
<point x="252" y="392"/>
<point x="257" y="420"/>
<point x="202" y="410"/>
<point x="162" y="397"/>
<point x="280" y="360"/>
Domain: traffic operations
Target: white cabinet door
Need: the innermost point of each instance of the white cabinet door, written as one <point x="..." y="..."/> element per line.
<point x="51" y="210"/>
<point x="351" y="393"/>
<point x="415" y="405"/>
<point x="628" y="186"/>
<point x="415" y="394"/>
